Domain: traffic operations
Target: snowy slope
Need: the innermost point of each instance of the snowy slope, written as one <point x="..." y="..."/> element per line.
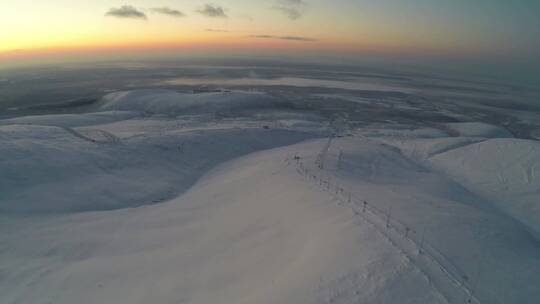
<point x="250" y="231"/>
<point x="63" y="170"/>
<point x="254" y="230"/>
<point x="116" y="159"/>
<point x="469" y="235"/>
<point x="161" y="205"/>
<point x="505" y="171"/>
<point x="502" y="171"/>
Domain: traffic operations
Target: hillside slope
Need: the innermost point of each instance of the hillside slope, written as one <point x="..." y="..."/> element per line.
<point x="169" y="204"/>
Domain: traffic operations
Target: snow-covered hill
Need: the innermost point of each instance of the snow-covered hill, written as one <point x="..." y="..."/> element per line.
<point x="250" y="231"/>
<point x="161" y="205"/>
<point x="504" y="171"/>
<point x="53" y="169"/>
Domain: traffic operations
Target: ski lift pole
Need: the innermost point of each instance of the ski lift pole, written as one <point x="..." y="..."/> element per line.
<point x="388" y="217"/>
<point x="421" y="246"/>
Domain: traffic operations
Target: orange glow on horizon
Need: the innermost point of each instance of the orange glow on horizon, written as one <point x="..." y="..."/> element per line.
<point x="225" y="45"/>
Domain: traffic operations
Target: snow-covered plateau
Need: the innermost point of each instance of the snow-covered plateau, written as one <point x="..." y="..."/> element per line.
<point x="225" y="197"/>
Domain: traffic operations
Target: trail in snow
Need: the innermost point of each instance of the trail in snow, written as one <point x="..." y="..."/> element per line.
<point x="410" y="242"/>
<point x="93" y="135"/>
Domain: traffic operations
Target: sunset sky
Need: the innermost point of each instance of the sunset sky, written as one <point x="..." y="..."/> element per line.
<point x="461" y="28"/>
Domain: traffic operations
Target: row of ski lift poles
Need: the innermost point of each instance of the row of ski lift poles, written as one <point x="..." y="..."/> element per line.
<point x="339" y="190"/>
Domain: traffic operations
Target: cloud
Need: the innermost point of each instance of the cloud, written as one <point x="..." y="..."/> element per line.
<point x="168" y="11"/>
<point x="297" y="38"/>
<point x="126" y="11"/>
<point x="263" y="36"/>
<point x="212" y="10"/>
<point x="293" y="38"/>
<point x="215" y="30"/>
<point x="293" y="9"/>
<point x="291" y="12"/>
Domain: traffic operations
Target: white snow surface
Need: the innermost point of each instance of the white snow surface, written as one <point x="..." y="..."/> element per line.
<point x="154" y="209"/>
<point x="504" y="171"/>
